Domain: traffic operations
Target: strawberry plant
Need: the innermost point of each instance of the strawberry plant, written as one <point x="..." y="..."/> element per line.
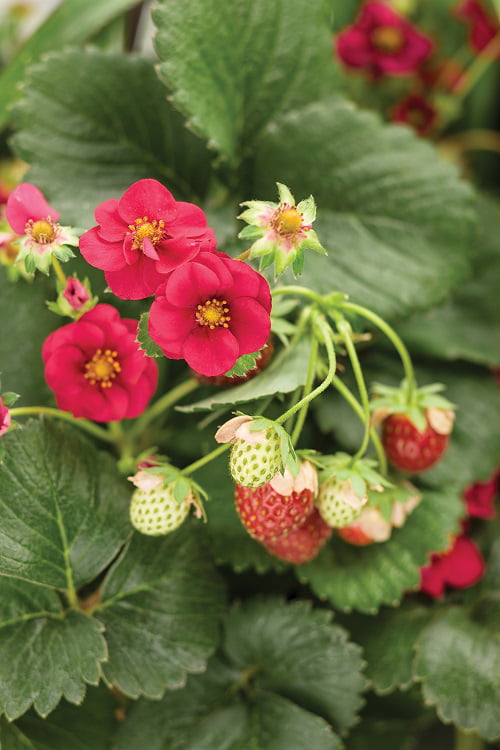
<point x="249" y="439"/>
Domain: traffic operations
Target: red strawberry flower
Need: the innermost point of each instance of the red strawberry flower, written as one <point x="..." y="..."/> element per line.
<point x="96" y="369"/>
<point x="417" y="112"/>
<point x="461" y="566"/>
<point x="5" y="418"/>
<point x="211" y="311"/>
<point x="480" y="498"/>
<point x="482" y="26"/>
<point x="36" y="223"/>
<point x="142" y="237"/>
<point x="382" y="42"/>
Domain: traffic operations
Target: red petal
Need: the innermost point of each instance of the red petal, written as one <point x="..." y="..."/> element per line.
<point x="169" y="326"/>
<point x="189" y="216"/>
<point x="135" y="282"/>
<point x="175" y="252"/>
<point x="211" y="352"/>
<point x="147" y="198"/>
<point x="250" y="323"/>
<point x="108" y="256"/>
<point x="112" y="228"/>
<point x="191" y="285"/>
<point x="464" y="565"/>
<point x="27" y="202"/>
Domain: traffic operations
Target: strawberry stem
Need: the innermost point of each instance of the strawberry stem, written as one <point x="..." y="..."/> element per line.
<point x="168" y="399"/>
<point x="324" y="334"/>
<point x="356" y="406"/>
<point x="467" y="740"/>
<point x="345" y="330"/>
<point x="58" y="271"/>
<point x="411" y="386"/>
<point x="83" y="424"/>
<point x="311" y="372"/>
<point x="205" y="459"/>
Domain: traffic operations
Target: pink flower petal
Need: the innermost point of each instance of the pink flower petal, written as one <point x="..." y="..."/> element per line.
<point x="27" y="202"/>
<point x="210" y="352"/>
<point x="108" y="256"/>
<point x="149" y="249"/>
<point x="190" y="216"/>
<point x="175" y="252"/>
<point x="250" y="323"/>
<point x="191" y="285"/>
<point x="112" y="227"/>
<point x="135" y="282"/>
<point x="169" y="325"/>
<point x="147" y="198"/>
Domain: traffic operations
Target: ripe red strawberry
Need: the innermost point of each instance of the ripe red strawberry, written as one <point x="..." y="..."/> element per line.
<point x="355" y="535"/>
<point x="303" y="544"/>
<point x="410" y="449"/>
<point x="268" y="515"/>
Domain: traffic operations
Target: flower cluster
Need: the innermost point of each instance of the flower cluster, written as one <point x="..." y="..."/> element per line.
<point x="209" y="309"/>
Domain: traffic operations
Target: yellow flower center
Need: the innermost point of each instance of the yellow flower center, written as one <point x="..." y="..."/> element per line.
<point x="288" y="221"/>
<point x="213" y="313"/>
<point x="43" y="231"/>
<point x="388" y="39"/>
<point x="144" y="229"/>
<point x="103" y="368"/>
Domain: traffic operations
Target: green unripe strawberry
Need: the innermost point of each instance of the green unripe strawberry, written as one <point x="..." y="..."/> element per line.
<point x="155" y="511"/>
<point x="338" y="503"/>
<point x="252" y="464"/>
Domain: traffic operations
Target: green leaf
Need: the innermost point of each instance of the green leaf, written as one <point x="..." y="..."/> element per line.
<point x="88" y="727"/>
<point x="388" y="645"/>
<point x="144" y="340"/>
<point x="23" y="305"/>
<point x="160" y="604"/>
<point x="72" y="22"/>
<point x="232" y="66"/>
<point x="464" y="690"/>
<point x="45" y="653"/>
<point x="9" y="398"/>
<point x="64" y="507"/>
<point x="284" y="679"/>
<point x="105" y="135"/>
<point x="366" y="578"/>
<point x="285" y="373"/>
<point x="394" y="217"/>
<point x="467" y="326"/>
<point x="243" y="364"/>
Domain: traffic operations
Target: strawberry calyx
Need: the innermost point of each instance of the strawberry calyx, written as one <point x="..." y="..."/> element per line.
<point x="421" y="407"/>
<point x="360" y="472"/>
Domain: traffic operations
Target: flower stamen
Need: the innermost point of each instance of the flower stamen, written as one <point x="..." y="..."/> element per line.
<point x="43" y="231"/>
<point x="287" y="221"/>
<point x="143" y="229"/>
<point x="213" y="313"/>
<point x="103" y="368"/>
<point x="388" y="39"/>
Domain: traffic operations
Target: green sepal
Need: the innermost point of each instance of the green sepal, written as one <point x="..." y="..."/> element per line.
<point x="395" y="401"/>
<point x="146" y="343"/>
<point x="251" y="232"/>
<point x="64" y="253"/>
<point x="29" y="263"/>
<point x="285" y="194"/>
<point x="243" y="364"/>
<point x="298" y="263"/>
<point x="311" y="242"/>
<point x="181" y="490"/>
<point x="9" y="398"/>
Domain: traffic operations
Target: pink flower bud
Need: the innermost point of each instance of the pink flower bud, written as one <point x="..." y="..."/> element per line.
<point x="75" y="293"/>
<point x="4" y="418"/>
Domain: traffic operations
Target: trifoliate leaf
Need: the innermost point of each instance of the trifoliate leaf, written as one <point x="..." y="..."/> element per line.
<point x="284" y="678"/>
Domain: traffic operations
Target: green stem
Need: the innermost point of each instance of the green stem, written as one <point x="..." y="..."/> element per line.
<point x="327" y="339"/>
<point x="84" y="424"/>
<point x="345" y="331"/>
<point x="206" y="459"/>
<point x="356" y="406"/>
<point x="58" y="271"/>
<point x="298" y="291"/>
<point x="163" y="403"/>
<point x="467" y="740"/>
<point x="395" y="340"/>
<point x="480" y="65"/>
<point x="311" y="372"/>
